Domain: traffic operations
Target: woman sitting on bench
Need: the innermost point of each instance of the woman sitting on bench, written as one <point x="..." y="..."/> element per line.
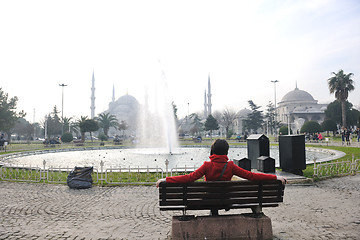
<point x="220" y="169"/>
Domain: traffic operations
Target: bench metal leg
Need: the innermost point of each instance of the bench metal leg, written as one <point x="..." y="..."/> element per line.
<point x="214" y="212"/>
<point x="257" y="211"/>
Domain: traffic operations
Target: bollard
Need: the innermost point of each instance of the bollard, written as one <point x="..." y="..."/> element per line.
<point x="167" y="165"/>
<point x="315" y="169"/>
<point x="101" y="172"/>
<point x="43" y="177"/>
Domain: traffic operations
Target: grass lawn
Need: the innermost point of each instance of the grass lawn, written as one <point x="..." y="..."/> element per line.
<point x="22" y="147"/>
<point x="349" y="151"/>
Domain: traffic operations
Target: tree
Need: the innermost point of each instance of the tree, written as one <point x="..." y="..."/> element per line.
<point x="89" y="125"/>
<point x="23" y="128"/>
<point x="211" y="124"/>
<point x="341" y="84"/>
<point x="78" y="125"/>
<point x="329" y="125"/>
<point x="67" y="124"/>
<point x="196" y="124"/>
<point x="354" y="117"/>
<point x="106" y="121"/>
<point x="311" y="127"/>
<point x="255" y="119"/>
<point x="8" y="113"/>
<point x="54" y="126"/>
<point x="123" y="126"/>
<point x="271" y="117"/>
<point x="334" y="110"/>
<point x="175" y="111"/>
<point x="227" y="119"/>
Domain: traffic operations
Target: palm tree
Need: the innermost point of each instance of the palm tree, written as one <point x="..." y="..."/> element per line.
<point x="77" y="125"/>
<point x="106" y="121"/>
<point x="67" y="122"/>
<point x="341" y="84"/>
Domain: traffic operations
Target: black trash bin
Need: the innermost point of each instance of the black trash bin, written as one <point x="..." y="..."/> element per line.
<point x="292" y="153"/>
<point x="80" y="178"/>
<point x="244" y="163"/>
<point x="257" y="145"/>
<point x="266" y="164"/>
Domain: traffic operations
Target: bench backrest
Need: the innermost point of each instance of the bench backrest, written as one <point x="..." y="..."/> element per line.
<point x="220" y="195"/>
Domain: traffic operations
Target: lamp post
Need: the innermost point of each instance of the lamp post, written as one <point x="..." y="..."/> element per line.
<point x="46" y="121"/>
<point x="62" y="107"/>
<point x="275" y="81"/>
<point x="188" y="108"/>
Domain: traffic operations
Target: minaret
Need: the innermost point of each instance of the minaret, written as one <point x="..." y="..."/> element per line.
<point x="205" y="106"/>
<point x="93" y="97"/>
<point x="209" y="97"/>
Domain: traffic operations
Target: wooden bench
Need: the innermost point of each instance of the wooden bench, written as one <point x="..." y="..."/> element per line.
<point x="78" y="142"/>
<point x="218" y="195"/>
<point x="118" y="142"/>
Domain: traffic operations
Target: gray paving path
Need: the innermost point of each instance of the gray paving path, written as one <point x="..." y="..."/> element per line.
<point x="326" y="210"/>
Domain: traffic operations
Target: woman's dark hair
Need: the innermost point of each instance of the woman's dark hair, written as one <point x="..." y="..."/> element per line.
<point x="219" y="147"/>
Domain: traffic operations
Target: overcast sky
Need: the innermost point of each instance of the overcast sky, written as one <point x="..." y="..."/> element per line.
<point x="242" y="45"/>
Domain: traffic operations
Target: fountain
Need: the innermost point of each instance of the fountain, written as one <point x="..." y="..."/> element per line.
<point x="156" y="126"/>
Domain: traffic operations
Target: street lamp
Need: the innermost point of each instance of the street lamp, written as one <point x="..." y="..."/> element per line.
<point x="62" y="107"/>
<point x="275" y="81"/>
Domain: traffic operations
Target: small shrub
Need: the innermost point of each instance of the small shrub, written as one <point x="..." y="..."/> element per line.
<point x="102" y="137"/>
<point x="67" y="137"/>
<point x="284" y="130"/>
<point x="311" y="127"/>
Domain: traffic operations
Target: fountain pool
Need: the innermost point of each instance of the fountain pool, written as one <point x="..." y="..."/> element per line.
<point x="141" y="157"/>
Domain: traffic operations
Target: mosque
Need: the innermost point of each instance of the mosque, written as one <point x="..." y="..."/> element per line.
<point x="296" y="107"/>
<point x="125" y="108"/>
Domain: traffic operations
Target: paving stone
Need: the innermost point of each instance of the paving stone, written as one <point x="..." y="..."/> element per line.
<point x="325" y="210"/>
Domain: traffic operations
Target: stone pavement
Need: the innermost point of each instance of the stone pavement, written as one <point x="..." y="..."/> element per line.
<point x="325" y="210"/>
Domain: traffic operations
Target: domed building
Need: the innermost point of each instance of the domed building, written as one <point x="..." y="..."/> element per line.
<point x="241" y="115"/>
<point x="126" y="109"/>
<point x="298" y="107"/>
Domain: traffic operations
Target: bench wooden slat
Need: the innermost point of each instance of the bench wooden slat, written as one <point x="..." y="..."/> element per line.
<point x="218" y="195"/>
<point x="213" y="202"/>
<point x="209" y="189"/>
<point x="234" y="206"/>
<point x="216" y="187"/>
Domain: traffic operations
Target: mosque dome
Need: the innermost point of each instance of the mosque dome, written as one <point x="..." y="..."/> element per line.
<point x="127" y="100"/>
<point x="297" y="95"/>
<point x="125" y="109"/>
<point x="244" y="112"/>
